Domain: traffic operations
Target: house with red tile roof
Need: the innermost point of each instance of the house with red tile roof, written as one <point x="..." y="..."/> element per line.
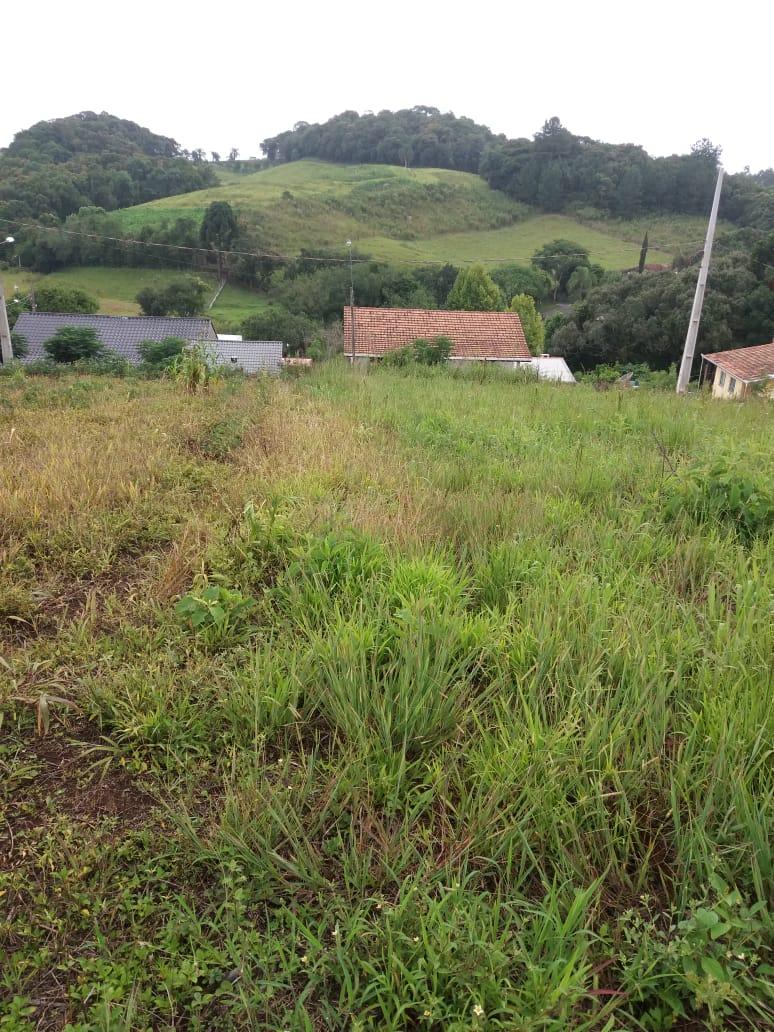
<point x="476" y="336"/>
<point x="736" y="371"/>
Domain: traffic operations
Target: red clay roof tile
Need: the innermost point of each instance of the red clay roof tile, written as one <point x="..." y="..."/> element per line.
<point x="486" y="336"/>
<point x="746" y="364"/>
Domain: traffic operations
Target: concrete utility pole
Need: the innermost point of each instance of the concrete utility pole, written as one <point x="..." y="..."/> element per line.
<point x="6" y="351"/>
<point x="351" y="302"/>
<point x="698" y="300"/>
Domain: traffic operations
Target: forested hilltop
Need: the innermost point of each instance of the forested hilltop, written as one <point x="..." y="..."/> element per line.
<point x="55" y="168"/>
<point x="555" y="171"/>
<point x="419" y="136"/>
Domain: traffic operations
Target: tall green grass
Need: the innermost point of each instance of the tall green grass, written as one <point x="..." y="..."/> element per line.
<point x="482" y="739"/>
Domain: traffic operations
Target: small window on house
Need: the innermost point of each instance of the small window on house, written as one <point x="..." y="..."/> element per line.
<point x="722" y="379"/>
<point x="731" y="385"/>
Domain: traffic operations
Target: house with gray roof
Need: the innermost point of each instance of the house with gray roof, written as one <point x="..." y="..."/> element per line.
<point x="251" y="356"/>
<point x="121" y="334"/>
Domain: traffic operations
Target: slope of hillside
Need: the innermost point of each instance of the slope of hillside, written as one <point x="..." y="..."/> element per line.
<point x="311" y="204"/>
<point x="389" y="212"/>
<point x="116" y="289"/>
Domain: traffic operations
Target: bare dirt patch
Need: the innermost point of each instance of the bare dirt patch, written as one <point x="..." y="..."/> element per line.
<point x="65" y="779"/>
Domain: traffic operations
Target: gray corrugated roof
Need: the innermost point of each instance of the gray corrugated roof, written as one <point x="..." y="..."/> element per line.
<point x="118" y="333"/>
<point x="252" y="356"/>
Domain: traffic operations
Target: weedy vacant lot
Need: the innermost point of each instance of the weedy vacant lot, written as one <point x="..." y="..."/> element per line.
<point x="387" y="701"/>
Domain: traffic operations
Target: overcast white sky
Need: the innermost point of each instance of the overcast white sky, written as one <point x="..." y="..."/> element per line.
<point x="223" y="74"/>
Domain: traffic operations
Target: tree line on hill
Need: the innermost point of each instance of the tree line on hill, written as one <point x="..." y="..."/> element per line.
<point x="420" y="136"/>
<point x="556" y="170"/>
<point x="57" y="167"/>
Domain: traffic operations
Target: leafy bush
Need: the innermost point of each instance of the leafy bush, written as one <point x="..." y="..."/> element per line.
<point x="722" y="495"/>
<point x="422" y="352"/>
<point x="663" y="379"/>
<point x="182" y="297"/>
<point x="52" y="298"/>
<point x="158" y="355"/>
<point x="218" y="615"/>
<point x="400" y="358"/>
<point x="432" y="352"/>
<point x="711" y="963"/>
<point x="71" y="343"/>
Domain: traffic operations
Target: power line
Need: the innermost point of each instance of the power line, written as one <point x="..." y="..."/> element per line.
<point x="274" y="256"/>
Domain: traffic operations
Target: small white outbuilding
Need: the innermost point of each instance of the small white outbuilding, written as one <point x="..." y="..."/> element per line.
<point x="549" y="367"/>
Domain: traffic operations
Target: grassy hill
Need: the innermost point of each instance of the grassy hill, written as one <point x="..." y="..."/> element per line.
<point x="116" y="289"/>
<point x="396" y="214"/>
<point x="465" y="722"/>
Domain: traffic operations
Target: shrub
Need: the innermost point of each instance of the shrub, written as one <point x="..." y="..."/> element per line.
<point x="71" y="343"/>
<point x="52" y="298"/>
<point x="182" y="297"/>
<point x="158" y="355"/>
<point x="432" y="352"/>
<point x="400" y="358"/>
<point x="722" y="495"/>
<point x="422" y="352"/>
<point x="277" y="323"/>
<point x="106" y="364"/>
<point x="217" y="615"/>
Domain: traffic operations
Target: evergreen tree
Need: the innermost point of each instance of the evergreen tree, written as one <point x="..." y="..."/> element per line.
<point x="643" y="253"/>
<point x="475" y="291"/>
<point x="531" y="322"/>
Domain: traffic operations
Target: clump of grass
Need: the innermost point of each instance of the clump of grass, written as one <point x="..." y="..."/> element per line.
<point x="195" y="368"/>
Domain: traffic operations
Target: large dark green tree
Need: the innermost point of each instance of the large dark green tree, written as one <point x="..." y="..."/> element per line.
<point x="559" y="259"/>
<point x="276" y="323"/>
<point x="513" y="278"/>
<point x="219" y="229"/>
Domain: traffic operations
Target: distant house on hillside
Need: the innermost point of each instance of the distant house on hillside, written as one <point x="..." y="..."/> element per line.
<point x="736" y="371"/>
<point x="120" y="334"/>
<point x="550" y="367"/>
<point x="475" y="336"/>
